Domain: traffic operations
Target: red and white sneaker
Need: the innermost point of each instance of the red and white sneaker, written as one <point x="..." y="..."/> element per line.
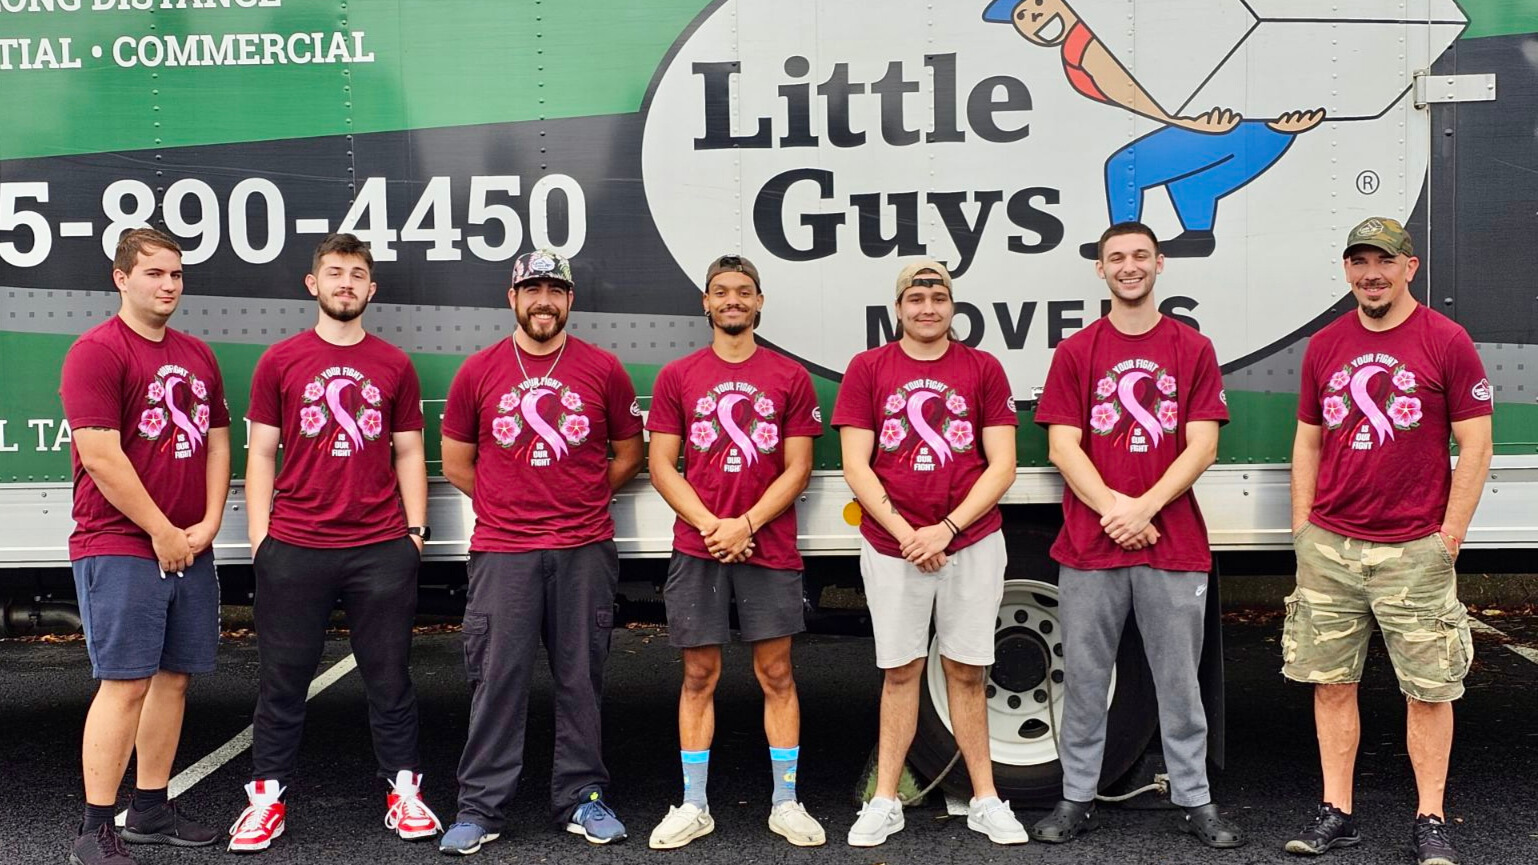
<point x="262" y="821"/>
<point x="406" y="813"/>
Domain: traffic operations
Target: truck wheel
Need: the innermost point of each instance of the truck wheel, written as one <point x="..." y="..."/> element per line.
<point x="1025" y="705"/>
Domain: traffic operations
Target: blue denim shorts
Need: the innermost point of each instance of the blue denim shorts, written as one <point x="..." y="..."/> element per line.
<point x="138" y="621"/>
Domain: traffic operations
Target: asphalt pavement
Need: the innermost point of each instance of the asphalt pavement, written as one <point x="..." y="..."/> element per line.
<point x="336" y="808"/>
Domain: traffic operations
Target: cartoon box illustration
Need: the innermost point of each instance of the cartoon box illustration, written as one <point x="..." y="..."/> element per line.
<point x="1257" y="57"/>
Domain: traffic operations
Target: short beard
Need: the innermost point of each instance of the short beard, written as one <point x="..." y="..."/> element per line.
<point x="1375" y="311"/>
<point x="734" y="329"/>
<point x="526" y="323"/>
<point x="343" y="315"/>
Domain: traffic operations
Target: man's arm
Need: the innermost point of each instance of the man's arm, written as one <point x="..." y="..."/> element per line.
<point x="102" y="457"/>
<point x="459" y="465"/>
<point x="200" y="536"/>
<point x="1065" y="449"/>
<point x="261" y="469"/>
<point x="662" y="465"/>
<point x="411" y="477"/>
<point x="995" y="481"/>
<point x="858" y="445"/>
<point x="732" y="534"/>
<point x="1122" y="88"/>
<point x="1307" y="442"/>
<point x="1474" y="438"/>
<point x="1128" y="517"/>
<point x="627" y="461"/>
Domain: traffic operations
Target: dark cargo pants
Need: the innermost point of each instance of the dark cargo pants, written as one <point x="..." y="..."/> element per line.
<point x="565" y="597"/>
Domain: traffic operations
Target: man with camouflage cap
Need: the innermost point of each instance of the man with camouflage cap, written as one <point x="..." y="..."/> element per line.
<point x="526" y="435"/>
<point x="1378" y="519"/>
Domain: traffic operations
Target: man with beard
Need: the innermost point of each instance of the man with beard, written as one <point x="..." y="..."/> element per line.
<point x="1132" y="407"/>
<point x="344" y="521"/>
<point x="526" y="434"/>
<point x="1378" y="517"/>
<point x="749" y="415"/>
<point x="927" y="428"/>
<point x="151" y="457"/>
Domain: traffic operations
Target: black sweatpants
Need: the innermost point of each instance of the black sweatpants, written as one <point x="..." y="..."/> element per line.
<point x="566" y="596"/>
<point x="296" y="590"/>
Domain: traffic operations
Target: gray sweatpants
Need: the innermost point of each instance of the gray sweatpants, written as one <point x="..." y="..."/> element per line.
<point x="1170" y="607"/>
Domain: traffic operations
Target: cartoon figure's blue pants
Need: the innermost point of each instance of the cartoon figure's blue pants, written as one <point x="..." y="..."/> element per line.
<point x="1197" y="168"/>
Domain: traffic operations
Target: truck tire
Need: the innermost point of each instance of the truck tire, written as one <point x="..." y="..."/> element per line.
<point x="1025" y="703"/>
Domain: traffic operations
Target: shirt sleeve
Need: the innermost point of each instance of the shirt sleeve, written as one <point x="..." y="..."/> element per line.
<point x="266" y="393"/>
<point x="1063" y="397"/>
<point x="406" y="412"/>
<point x="1206" y="399"/>
<point x="1309" y="410"/>
<point x="666" y="415"/>
<point x="853" y="406"/>
<point x="1468" y="390"/>
<point x="620" y="404"/>
<point x="90" y="387"/>
<point x="998" y="406"/>
<point x="802" y="415"/>
<point x="461" y="411"/>
<point x="218" y="400"/>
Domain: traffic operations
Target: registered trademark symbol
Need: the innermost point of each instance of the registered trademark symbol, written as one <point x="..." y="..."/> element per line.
<point x="1367" y="182"/>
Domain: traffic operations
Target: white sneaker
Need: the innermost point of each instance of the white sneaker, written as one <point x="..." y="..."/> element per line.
<point x="405" y="812"/>
<point x="790" y="821"/>
<point x="682" y="825"/>
<point x="878" y="819"/>
<point x="994" y="818"/>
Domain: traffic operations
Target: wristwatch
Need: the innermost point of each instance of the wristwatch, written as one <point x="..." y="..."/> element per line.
<point x="423" y="532"/>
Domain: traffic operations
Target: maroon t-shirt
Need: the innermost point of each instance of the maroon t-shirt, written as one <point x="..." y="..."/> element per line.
<point x="162" y="398"/>
<point x="929" y="417"/>
<point x="542" y="443"/>
<point x="336" y="407"/>
<point x="1132" y="397"/>
<point x="734" y="418"/>
<point x="1386" y="402"/>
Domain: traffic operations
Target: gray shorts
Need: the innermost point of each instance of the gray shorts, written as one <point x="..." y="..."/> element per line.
<point x="699" y="595"/>
<point x="962" y="599"/>
<point x="138" y="621"/>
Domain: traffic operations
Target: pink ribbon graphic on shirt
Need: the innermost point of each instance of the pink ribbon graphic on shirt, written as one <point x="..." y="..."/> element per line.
<point x="925" y="431"/>
<point x="1365" y="402"/>
<point x="530" y="408"/>
<point x="179" y="417"/>
<point x="1124" y="392"/>
<point x="734" y="432"/>
<point x="343" y="417"/>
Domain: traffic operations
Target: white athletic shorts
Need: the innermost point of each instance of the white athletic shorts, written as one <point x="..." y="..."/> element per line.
<point x="962" y="599"/>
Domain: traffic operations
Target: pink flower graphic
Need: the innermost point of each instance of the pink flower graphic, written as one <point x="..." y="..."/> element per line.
<point x="1335" y="411"/>
<point x="576" y="428"/>
<point x="959" y="434"/>
<point x="200" y="417"/>
<point x="1404" y="379"/>
<point x="199" y="389"/>
<point x="766" y="436"/>
<point x="892" y="433"/>
<point x="705" y="406"/>
<point x="1169" y="414"/>
<point x="1106" y="387"/>
<point x="702" y="433"/>
<point x="764" y="406"/>
<point x="313" y="391"/>
<point x="955" y="403"/>
<point x="508" y="402"/>
<point x="156" y="393"/>
<point x="370" y="423"/>
<point x="1166" y="384"/>
<point x="371" y="395"/>
<point x="151" y="422"/>
<point x="895" y="403"/>
<point x="1405" y="411"/>
<point x="1339" y="380"/>
<point x="505" y="430"/>
<point x="312" y="419"/>
<point x="1103" y="417"/>
<point x="571" y="400"/>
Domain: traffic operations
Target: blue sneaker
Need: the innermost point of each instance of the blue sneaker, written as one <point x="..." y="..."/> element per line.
<point x="465" y="838"/>
<point x="596" y="821"/>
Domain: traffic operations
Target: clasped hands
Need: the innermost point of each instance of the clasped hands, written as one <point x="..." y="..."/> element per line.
<point x="730" y="540"/>
<point x="1129" y="522"/>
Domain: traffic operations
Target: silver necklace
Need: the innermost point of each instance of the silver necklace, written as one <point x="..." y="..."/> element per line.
<point x="518" y="355"/>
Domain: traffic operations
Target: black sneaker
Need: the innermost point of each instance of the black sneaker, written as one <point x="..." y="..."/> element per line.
<point x="165" y="824"/>
<point x="1067" y="821"/>
<point x="1433" y="841"/>
<point x="1331" y="828"/>
<point x="101" y="847"/>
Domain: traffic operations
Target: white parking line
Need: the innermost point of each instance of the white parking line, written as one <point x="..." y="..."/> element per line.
<point x="228" y="751"/>
<point x="1527" y="652"/>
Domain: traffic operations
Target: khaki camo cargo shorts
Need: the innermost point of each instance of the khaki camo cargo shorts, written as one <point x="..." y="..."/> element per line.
<point x="1409" y="589"/>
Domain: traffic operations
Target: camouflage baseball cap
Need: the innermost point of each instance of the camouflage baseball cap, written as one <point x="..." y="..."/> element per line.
<point x="1382" y="233"/>
<point x="541" y="264"/>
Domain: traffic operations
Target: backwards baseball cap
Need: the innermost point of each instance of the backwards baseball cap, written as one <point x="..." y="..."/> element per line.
<point x="911" y="271"/>
<point x="732" y="264"/>
<point x="541" y="264"/>
<point x="1382" y="233"/>
<point x="1000" y="11"/>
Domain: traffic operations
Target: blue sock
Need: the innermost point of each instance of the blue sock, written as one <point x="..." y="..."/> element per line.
<point x="784" y="762"/>
<point x="696" y="774"/>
